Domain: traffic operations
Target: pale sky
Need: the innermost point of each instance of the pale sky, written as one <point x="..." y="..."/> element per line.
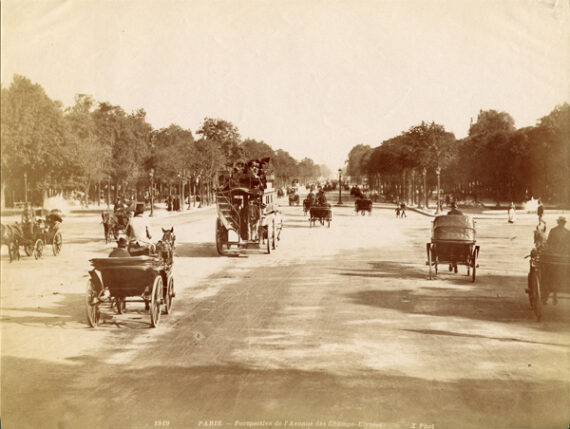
<point x="312" y="77"/>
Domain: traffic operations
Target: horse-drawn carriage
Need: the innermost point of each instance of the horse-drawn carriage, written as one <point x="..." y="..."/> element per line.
<point x="453" y="242"/>
<point x="549" y="274"/>
<point x="306" y="206"/>
<point x="363" y="205"/>
<point x="115" y="222"/>
<point x="145" y="279"/>
<point x="321" y="214"/>
<point x="294" y="199"/>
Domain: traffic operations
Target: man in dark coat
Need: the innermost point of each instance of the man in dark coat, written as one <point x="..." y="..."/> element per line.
<point x="121" y="250"/>
<point x="559" y="238"/>
<point x="454" y="210"/>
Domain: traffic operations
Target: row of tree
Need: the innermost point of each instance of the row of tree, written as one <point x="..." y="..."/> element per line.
<point x="495" y="160"/>
<point x="100" y="149"/>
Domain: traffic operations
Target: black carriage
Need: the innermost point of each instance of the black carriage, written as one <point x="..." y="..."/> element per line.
<point x="453" y="243"/>
<point x="116" y="281"/>
<point x="363" y="205"/>
<point x="41" y="232"/>
<point x="293" y="199"/>
<point x="320" y="214"/>
<point x="115" y="223"/>
<point x="549" y="274"/>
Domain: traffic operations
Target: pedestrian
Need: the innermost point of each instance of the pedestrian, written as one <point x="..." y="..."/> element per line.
<point x="540" y="210"/>
<point x="540" y="236"/>
<point x="397" y="210"/>
<point x="403" y="209"/>
<point x="511" y="213"/>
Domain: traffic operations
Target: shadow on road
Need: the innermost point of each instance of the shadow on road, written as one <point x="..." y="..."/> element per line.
<point x="196" y="250"/>
<point x="389" y="269"/>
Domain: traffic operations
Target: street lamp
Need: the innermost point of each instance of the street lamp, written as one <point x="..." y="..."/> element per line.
<point x="339" y="187"/>
<point x="424" y="172"/>
<point x="438" y="172"/>
<point x="151" y="174"/>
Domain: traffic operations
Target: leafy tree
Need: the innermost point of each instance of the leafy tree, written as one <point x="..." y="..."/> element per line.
<point x="354" y="167"/>
<point x="34" y="140"/>
<point x="225" y="135"/>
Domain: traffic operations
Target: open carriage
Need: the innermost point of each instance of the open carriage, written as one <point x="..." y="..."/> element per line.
<point x="117" y="281"/>
<point x="453" y="243"/>
<point x="294" y="199"/>
<point x="549" y="274"/>
<point x="363" y="205"/>
<point x="43" y="231"/>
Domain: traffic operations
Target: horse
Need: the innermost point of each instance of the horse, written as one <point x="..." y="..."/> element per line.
<point x="113" y="223"/>
<point x="12" y="235"/>
<point x="165" y="246"/>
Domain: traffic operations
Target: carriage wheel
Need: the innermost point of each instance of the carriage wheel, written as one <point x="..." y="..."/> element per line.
<point x="92" y="310"/>
<point x="38" y="248"/>
<point x="220" y="235"/>
<point x="534" y="294"/>
<point x="56" y="244"/>
<point x="168" y="295"/>
<point x="155" y="301"/>
<point x="29" y="248"/>
<point x="363" y="212"/>
<point x="429" y="262"/>
<point x="273" y="237"/>
<point x="474" y="266"/>
<point x="269" y="230"/>
<point x="328" y="223"/>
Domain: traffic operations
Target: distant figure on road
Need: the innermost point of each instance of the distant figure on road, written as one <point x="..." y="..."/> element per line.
<point x="512" y="214"/>
<point x="540" y="236"/>
<point x="454" y="210"/>
<point x="540" y="210"/>
<point x="403" y="209"/>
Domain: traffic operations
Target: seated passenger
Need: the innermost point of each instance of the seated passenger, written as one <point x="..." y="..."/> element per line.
<point x="321" y="198"/>
<point x="559" y="238"/>
<point x="454" y="210"/>
<point x="121" y="250"/>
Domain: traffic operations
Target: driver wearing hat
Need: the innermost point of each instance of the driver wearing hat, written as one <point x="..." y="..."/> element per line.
<point x="559" y="238"/>
<point x="121" y="250"/>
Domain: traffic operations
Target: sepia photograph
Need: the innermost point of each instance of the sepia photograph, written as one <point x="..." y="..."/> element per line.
<point x="285" y="214"/>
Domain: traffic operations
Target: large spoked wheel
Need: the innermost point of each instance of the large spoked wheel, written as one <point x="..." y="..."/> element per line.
<point x="155" y="301"/>
<point x="328" y="223"/>
<point x="221" y="237"/>
<point x="274" y="237"/>
<point x="534" y="294"/>
<point x="473" y="266"/>
<point x="268" y="241"/>
<point x="429" y="261"/>
<point x="38" y="248"/>
<point x="92" y="310"/>
<point x="57" y="243"/>
<point x="168" y="296"/>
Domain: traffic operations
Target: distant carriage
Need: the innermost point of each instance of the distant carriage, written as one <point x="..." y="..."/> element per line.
<point x="363" y="205"/>
<point x="293" y="199"/>
<point x="453" y="243"/>
<point x="321" y="214"/>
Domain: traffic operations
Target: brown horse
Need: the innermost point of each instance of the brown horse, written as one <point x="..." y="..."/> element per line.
<point x="165" y="246"/>
<point x="12" y="236"/>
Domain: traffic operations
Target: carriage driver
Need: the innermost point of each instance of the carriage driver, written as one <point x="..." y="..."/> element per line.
<point x="27" y="219"/>
<point x="138" y="231"/>
<point x="121" y="250"/>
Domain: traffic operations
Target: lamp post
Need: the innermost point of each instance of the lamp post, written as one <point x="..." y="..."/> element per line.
<point x="339" y="187"/>
<point x="424" y="172"/>
<point x="151" y="174"/>
<point x="438" y="172"/>
<point x="25" y="186"/>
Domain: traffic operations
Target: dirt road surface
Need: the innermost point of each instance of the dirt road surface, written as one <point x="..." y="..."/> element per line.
<point x="339" y="327"/>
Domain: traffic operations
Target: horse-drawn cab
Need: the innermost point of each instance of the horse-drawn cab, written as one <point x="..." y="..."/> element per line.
<point x="453" y="242"/>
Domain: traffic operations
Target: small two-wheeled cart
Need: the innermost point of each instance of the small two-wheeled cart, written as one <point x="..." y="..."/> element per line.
<point x="116" y="281"/>
<point x="320" y="214"/>
<point x="363" y="205"/>
<point x="293" y="199"/>
<point x="246" y="219"/>
<point x="453" y="243"/>
<point x="549" y="273"/>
